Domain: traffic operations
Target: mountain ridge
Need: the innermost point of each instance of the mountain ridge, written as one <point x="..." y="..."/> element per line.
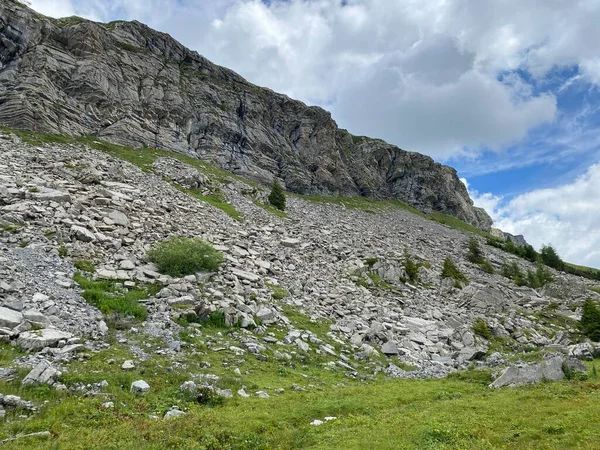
<point x="130" y="84"/>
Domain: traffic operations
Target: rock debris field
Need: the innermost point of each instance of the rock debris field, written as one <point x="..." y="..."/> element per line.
<point x="327" y="281"/>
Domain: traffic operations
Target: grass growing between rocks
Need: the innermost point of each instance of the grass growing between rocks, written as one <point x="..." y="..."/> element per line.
<point x="218" y="201"/>
<point x="114" y="301"/>
<point x="458" y="412"/>
<point x="144" y="159"/>
<point x="277" y="292"/>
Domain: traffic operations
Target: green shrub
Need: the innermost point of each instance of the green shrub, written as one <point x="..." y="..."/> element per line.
<point x="480" y="328"/>
<point x="370" y="262"/>
<point x="534" y="279"/>
<point x="451" y="271"/>
<point x="180" y="256"/>
<point x="590" y="320"/>
<point x="486" y="266"/>
<point x="411" y="267"/>
<point x="277" y="196"/>
<point x="551" y="258"/>
<point x="475" y="254"/>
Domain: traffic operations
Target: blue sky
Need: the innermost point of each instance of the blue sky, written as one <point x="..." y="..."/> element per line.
<point x="506" y="91"/>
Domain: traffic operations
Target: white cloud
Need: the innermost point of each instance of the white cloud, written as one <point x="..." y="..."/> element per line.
<point x="427" y="75"/>
<point x="566" y="216"/>
<point x="53" y="8"/>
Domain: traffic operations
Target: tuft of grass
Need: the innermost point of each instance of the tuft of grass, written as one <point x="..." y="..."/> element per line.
<point x="181" y="256"/>
<point x="218" y="201"/>
<point x="277" y="292"/>
<point x="10" y="227"/>
<point x="113" y="301"/>
<point x="487" y="267"/>
<point x="84" y="265"/>
<point x="411" y="267"/>
<point x="406" y="366"/>
<point x="303" y="322"/>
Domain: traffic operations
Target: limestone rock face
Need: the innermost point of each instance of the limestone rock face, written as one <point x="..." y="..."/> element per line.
<point x="129" y="84"/>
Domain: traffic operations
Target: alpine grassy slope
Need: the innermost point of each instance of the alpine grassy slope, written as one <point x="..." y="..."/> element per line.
<point x="339" y="310"/>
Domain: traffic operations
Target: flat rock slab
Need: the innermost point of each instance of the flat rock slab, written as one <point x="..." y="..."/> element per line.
<point x="550" y="369"/>
<point x="9" y="318"/>
<point x="38" y="339"/>
<point x="245" y="275"/>
<point x="290" y="242"/>
<point x="51" y="195"/>
<point x="43" y="373"/>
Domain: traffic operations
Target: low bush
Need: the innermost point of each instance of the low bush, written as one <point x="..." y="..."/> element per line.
<point x="487" y="267"/>
<point x="277" y="196"/>
<point x="475" y="254"/>
<point x="411" y="267"/>
<point x="451" y="271"/>
<point x="180" y="256"/>
<point x="481" y="329"/>
<point x="590" y="320"/>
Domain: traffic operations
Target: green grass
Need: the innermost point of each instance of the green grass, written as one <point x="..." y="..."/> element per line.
<point x="302" y="322"/>
<point x="116" y="303"/>
<point x="10" y="228"/>
<point x="455" y="223"/>
<point x="277" y="292"/>
<point x="218" y="201"/>
<point x="84" y="265"/>
<point x="450" y="270"/>
<point x="459" y="412"/>
<point x="181" y="256"/>
<point x="595" y="289"/>
<point x="378" y="282"/>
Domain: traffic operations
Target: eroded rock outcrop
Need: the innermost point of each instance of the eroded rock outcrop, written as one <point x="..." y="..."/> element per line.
<point x="129" y="84"/>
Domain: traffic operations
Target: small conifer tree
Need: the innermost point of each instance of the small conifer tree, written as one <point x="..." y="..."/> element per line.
<point x="590" y="320"/>
<point x="277" y="196"/>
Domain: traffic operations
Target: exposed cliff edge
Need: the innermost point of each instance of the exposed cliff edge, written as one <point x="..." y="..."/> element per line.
<point x="127" y="83"/>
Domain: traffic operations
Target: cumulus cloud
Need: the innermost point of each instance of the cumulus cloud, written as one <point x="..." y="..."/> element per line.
<point x="566" y="216"/>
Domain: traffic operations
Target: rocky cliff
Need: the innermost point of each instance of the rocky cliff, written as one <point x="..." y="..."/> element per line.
<point x="127" y="83"/>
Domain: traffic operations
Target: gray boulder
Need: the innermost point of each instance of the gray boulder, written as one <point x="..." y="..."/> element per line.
<point x="43" y="373"/>
<point x="10" y="318"/>
<point x="140" y="387"/>
<point x="38" y="339"/>
<point x="551" y="370"/>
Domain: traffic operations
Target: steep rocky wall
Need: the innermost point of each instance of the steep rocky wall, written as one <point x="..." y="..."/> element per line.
<point x="127" y="83"/>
